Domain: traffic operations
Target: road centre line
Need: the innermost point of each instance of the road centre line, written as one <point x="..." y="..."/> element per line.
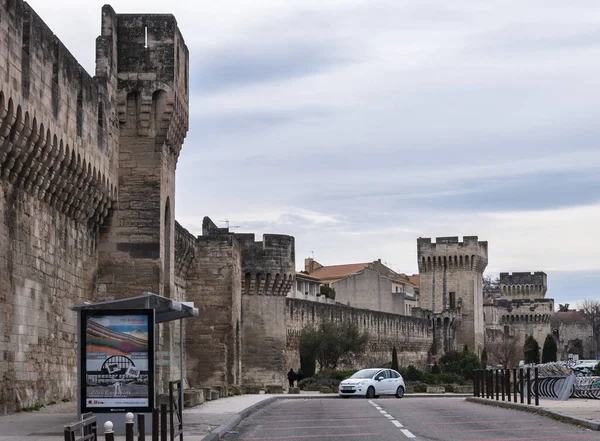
<point x="397" y="423"/>
<point x="389" y="416"/>
<point x="407" y="433"/>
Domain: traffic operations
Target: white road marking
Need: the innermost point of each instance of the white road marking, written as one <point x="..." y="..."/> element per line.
<point x="390" y="417"/>
<point x="382" y="411"/>
<point x="397" y="423"/>
<point x="407" y="433"/>
<point x="377" y="407"/>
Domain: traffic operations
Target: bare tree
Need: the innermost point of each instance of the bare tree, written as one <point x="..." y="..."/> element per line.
<point x="591" y="311"/>
<point x="504" y="350"/>
<point x="491" y="287"/>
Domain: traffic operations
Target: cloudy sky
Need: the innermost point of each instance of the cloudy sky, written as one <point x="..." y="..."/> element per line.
<point x="358" y="126"/>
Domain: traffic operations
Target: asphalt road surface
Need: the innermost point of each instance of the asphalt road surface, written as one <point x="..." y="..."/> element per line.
<point x="439" y="419"/>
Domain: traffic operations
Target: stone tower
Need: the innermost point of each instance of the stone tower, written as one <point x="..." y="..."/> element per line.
<point x="451" y="274"/>
<point x="147" y="60"/>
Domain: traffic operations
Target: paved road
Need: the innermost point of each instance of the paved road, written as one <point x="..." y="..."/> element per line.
<point x="442" y="419"/>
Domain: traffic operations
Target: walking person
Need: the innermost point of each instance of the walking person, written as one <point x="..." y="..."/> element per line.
<point x="291" y="377"/>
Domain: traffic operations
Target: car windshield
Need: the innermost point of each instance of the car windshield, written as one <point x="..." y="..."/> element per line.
<point x="365" y="373"/>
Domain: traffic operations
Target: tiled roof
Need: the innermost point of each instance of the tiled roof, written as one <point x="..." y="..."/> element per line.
<point x="307" y="276"/>
<point x="338" y="271"/>
<point x="414" y="279"/>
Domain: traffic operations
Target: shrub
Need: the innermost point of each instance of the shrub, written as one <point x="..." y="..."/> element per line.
<point x="419" y="387"/>
<point x="550" y="349"/>
<point x="413" y="374"/>
<point x="460" y="363"/>
<point x="596" y="370"/>
<point x="531" y="350"/>
<point x="329" y="379"/>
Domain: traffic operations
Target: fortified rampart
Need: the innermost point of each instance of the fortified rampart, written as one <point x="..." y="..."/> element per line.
<point x="86" y="184"/>
<point x="518" y="319"/>
<point x="523" y="285"/>
<point x="451" y="277"/>
<point x="411" y="336"/>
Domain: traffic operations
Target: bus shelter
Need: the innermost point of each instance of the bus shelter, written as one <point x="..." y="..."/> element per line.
<point x="116" y="361"/>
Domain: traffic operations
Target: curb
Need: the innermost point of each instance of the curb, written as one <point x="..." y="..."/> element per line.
<point x="234" y="420"/>
<point x="593" y="425"/>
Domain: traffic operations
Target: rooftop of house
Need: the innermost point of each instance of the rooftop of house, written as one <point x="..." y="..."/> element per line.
<point x="338" y="271"/>
<point x="301" y="275"/>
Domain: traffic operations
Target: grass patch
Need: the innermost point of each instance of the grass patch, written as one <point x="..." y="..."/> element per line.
<point x="33" y="408"/>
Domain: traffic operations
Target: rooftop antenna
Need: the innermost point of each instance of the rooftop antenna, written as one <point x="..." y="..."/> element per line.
<point x="226" y="222"/>
<point x="313" y="254"/>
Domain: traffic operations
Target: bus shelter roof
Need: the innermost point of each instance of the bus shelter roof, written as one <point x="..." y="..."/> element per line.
<point x="165" y="310"/>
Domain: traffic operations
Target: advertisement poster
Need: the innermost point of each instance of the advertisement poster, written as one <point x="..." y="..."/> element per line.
<point x="117" y="360"/>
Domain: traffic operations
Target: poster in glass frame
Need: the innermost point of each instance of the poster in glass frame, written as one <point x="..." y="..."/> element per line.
<point x="117" y="360"/>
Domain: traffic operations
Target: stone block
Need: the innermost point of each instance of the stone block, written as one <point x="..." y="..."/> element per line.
<point x="207" y="393"/>
<point x="274" y="389"/>
<point x="253" y="389"/>
<point x="193" y="397"/>
<point x="436" y="390"/>
<point x="463" y="389"/>
<point x="294" y="390"/>
<point x="214" y="395"/>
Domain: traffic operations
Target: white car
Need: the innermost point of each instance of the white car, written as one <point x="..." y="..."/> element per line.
<point x="372" y="383"/>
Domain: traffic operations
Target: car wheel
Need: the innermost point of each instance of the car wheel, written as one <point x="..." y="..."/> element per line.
<point x="399" y="392"/>
<point x="370" y="392"/>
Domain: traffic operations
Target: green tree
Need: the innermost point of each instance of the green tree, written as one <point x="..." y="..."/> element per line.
<point x="309" y="346"/>
<point x="460" y="363"/>
<point x="531" y="350"/>
<point x="597" y="370"/>
<point x="327" y="292"/>
<point x="394" y="359"/>
<point x="550" y="349"/>
<point x="330" y="343"/>
<point x="484" y="358"/>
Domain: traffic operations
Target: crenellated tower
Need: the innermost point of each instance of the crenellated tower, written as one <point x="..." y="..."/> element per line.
<point x="146" y="61"/>
<point x="451" y="278"/>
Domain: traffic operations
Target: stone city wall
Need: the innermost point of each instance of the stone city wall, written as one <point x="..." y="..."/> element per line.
<point x="62" y="136"/>
<point x="411" y="336"/>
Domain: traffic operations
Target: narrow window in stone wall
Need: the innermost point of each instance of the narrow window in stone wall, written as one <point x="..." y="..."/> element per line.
<point x="55" y="88"/>
<point x="79" y="113"/>
<point x="452" y="300"/>
<point x="100" y="114"/>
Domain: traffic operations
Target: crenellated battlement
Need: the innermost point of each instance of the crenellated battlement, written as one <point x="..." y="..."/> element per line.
<point x="268" y="265"/>
<point x="57" y="140"/>
<point x="523" y="284"/>
<point x="152" y="81"/>
<point x="448" y="252"/>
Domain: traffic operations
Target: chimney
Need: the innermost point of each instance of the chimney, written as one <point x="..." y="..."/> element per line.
<point x="309" y="265"/>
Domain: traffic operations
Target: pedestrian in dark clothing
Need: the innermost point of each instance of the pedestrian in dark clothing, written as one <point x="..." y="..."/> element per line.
<point x="291" y="377"/>
<point x="299" y="376"/>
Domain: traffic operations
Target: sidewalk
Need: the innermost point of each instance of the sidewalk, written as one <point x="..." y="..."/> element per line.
<point x="580" y="411"/>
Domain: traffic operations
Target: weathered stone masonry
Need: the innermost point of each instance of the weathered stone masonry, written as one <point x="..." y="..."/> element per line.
<point x="74" y="152"/>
